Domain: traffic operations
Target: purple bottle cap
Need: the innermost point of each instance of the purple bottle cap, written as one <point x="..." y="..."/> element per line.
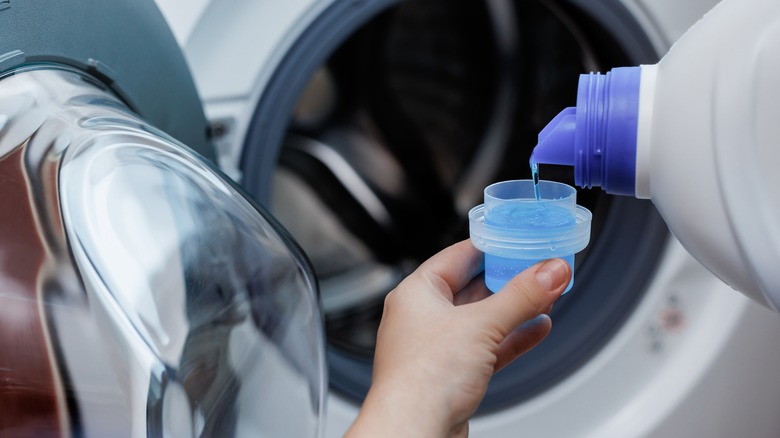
<point x="598" y="136"/>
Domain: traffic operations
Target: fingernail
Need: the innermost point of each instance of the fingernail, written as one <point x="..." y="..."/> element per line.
<point x="552" y="274"/>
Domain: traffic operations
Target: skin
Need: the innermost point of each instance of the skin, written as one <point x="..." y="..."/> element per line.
<point x="442" y="337"/>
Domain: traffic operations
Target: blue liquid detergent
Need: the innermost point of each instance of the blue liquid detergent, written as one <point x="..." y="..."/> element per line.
<point x="503" y="269"/>
<point x="535" y="177"/>
<point x="528" y="217"/>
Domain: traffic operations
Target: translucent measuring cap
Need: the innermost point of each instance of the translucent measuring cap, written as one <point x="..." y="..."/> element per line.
<point x="515" y="230"/>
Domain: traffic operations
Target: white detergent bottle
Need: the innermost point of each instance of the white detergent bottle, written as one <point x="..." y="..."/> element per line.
<point x="699" y="134"/>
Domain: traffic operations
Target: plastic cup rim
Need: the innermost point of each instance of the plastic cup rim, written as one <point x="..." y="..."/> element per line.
<point x="572" y="192"/>
<point x="553" y="242"/>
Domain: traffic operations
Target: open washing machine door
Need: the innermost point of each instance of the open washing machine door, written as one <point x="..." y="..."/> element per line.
<point x="370" y="128"/>
<point x="141" y="292"/>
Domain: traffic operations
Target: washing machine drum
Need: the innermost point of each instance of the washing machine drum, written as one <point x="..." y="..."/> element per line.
<point x="141" y="293"/>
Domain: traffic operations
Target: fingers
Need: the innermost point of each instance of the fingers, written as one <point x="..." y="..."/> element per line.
<point x="460" y="430"/>
<point x="527" y="295"/>
<point x="521" y="340"/>
<point x="454" y="266"/>
<point x="473" y="292"/>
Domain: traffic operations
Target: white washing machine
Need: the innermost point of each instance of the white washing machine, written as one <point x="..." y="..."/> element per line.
<point x="371" y="126"/>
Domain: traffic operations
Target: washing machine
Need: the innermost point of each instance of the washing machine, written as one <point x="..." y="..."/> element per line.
<point x="142" y="293"/>
<point x="370" y="127"/>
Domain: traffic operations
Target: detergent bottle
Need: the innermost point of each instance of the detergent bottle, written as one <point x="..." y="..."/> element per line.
<point x="698" y="134"/>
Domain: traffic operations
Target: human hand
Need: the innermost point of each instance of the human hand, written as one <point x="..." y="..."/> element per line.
<point x="443" y="335"/>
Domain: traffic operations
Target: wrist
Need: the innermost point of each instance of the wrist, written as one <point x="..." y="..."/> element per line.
<point x="401" y="411"/>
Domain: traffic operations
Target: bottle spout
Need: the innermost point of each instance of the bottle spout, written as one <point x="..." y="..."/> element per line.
<point x="556" y="140"/>
<point x="598" y="136"/>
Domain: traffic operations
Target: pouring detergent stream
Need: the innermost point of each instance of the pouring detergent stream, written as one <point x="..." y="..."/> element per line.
<point x="683" y="131"/>
<point x="535" y="179"/>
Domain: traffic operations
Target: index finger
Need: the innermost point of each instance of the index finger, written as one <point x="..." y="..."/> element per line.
<point x="455" y="265"/>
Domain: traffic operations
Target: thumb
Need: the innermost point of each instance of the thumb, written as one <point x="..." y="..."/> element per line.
<point x="527" y="294"/>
